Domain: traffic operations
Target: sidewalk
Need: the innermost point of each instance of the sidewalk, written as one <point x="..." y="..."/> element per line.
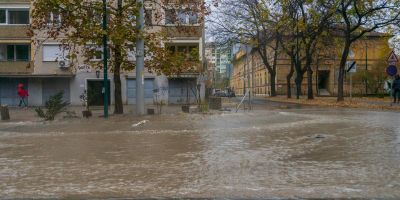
<point x="29" y="114"/>
<point x="355" y="102"/>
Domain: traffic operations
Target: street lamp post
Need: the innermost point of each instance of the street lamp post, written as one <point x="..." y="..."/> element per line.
<point x="105" y="58"/>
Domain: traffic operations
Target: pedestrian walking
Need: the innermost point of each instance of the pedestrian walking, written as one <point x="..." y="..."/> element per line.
<point x="23" y="94"/>
<point x="396" y="89"/>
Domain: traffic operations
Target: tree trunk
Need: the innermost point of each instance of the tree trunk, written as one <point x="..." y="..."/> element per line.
<point x="299" y="79"/>
<point x="119" y="108"/>
<point x="273" y="83"/>
<point x="310" y="92"/>
<point x="288" y="79"/>
<point x="342" y="66"/>
<point x="118" y="105"/>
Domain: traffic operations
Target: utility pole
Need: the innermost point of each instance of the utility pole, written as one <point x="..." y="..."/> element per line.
<point x="105" y="59"/>
<point x="140" y="61"/>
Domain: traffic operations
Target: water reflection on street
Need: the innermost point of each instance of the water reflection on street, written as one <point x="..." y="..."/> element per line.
<point x="278" y="153"/>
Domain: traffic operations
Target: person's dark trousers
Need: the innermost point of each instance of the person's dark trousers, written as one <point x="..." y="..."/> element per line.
<point x="22" y="101"/>
<point x="396" y="95"/>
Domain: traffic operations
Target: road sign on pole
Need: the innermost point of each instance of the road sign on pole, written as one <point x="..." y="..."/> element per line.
<point x="392" y="59"/>
<point x="351" y="67"/>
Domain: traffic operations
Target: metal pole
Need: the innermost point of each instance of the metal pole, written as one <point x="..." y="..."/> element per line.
<point x="105" y="59"/>
<point x="366" y="67"/>
<point x="248" y="76"/>
<point x="140" y="61"/>
<point x="351" y="85"/>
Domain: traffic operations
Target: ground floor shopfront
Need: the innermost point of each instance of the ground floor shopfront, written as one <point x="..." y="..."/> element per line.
<point x="169" y="90"/>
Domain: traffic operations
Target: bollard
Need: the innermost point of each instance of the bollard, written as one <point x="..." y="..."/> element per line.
<point x="5" y="114"/>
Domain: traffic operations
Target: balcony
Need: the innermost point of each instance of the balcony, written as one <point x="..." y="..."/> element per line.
<point x="16" y="67"/>
<point x="182" y="31"/>
<point x="14" y="32"/>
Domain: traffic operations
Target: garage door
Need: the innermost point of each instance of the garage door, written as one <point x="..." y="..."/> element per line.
<point x="148" y="90"/>
<point x="181" y="91"/>
<point x="8" y="90"/>
<point x="52" y="86"/>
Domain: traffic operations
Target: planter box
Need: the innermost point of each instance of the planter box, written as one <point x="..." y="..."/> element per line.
<point x="87" y="113"/>
<point x="215" y="103"/>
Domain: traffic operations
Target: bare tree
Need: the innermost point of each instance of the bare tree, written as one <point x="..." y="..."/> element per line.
<point x="358" y="18"/>
<point x="249" y="22"/>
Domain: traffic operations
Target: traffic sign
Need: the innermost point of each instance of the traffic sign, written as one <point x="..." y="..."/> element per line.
<point x="351" y="67"/>
<point x="392" y="58"/>
<point x="391" y="70"/>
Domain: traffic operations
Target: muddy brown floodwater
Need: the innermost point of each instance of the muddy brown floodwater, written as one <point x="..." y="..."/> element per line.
<point x="303" y="153"/>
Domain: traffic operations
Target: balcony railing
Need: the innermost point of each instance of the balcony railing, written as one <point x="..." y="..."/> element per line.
<point x="14" y="32"/>
<point x="16" y="67"/>
<point x="181" y="31"/>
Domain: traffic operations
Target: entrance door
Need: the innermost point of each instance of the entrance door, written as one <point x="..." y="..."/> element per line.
<point x="323" y="79"/>
<point x="323" y="83"/>
<point x="95" y="92"/>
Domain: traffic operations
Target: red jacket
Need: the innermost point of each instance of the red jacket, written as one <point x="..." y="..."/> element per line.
<point x="22" y="92"/>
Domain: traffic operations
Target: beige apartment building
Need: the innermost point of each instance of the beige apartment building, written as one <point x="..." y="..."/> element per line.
<point x="365" y="52"/>
<point x="45" y="73"/>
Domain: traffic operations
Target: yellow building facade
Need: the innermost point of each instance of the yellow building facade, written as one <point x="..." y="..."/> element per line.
<point x="250" y="72"/>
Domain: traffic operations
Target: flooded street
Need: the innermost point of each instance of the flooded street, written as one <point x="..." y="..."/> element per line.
<point x="287" y="153"/>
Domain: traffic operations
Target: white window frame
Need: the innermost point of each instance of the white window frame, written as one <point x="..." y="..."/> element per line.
<point x="178" y="21"/>
<point x="7" y="9"/>
<point x="61" y="57"/>
<point x="98" y="48"/>
<point x="51" y="22"/>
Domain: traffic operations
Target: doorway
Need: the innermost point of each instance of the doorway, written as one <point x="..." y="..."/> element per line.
<point x="323" y="82"/>
<point x="95" y="92"/>
<point x="323" y="79"/>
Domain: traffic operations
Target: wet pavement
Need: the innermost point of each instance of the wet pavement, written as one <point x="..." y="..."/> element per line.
<point x="266" y="153"/>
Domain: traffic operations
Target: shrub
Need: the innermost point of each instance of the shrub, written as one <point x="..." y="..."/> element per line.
<point x="54" y="106"/>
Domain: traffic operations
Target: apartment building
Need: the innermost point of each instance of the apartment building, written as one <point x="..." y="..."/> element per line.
<point x="220" y="57"/>
<point x="44" y="71"/>
<point x="249" y="71"/>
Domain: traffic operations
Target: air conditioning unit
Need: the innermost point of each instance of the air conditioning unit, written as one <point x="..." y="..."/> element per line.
<point x="63" y="64"/>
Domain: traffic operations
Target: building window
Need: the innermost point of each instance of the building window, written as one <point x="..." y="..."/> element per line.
<point x="3" y="16"/>
<point x="170" y="16"/>
<point x="11" y="52"/>
<point x="183" y="17"/>
<point x="148" y="17"/>
<point x="18" y="16"/>
<point x="54" y="18"/>
<point x="14" y="16"/>
<point x="97" y="53"/>
<point x="53" y="53"/>
<point x="190" y="50"/>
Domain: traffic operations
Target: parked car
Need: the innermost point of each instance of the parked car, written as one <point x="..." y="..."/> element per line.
<point x="220" y="94"/>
